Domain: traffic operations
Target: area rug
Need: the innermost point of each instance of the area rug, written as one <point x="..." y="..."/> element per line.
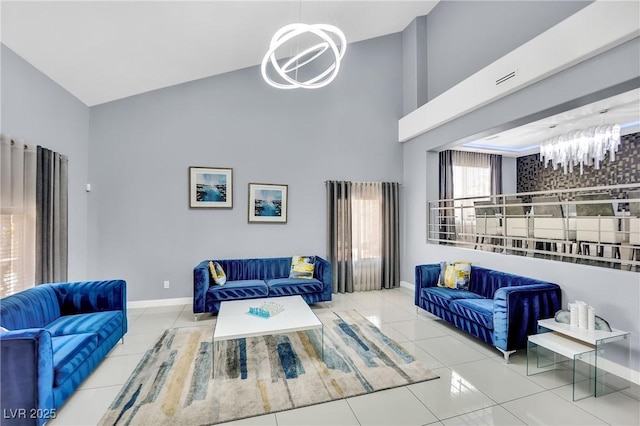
<point x="172" y="384"/>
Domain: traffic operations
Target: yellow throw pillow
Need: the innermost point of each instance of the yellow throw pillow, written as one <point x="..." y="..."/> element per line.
<point x="217" y="273"/>
<point x="462" y="271"/>
<point x="456" y="275"/>
<point x="450" y="275"/>
<point x="302" y="267"/>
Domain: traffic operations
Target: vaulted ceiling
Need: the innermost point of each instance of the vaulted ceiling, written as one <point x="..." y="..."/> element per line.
<point x="106" y="50"/>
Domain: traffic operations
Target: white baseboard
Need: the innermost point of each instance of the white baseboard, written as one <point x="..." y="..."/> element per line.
<point x="408" y="285"/>
<point x="136" y="304"/>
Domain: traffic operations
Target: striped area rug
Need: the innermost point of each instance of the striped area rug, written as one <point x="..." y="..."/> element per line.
<point x="172" y="384"/>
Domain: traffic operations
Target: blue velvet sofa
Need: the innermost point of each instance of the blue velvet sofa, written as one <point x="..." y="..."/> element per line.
<point x="501" y="309"/>
<point x="58" y="334"/>
<point x="256" y="278"/>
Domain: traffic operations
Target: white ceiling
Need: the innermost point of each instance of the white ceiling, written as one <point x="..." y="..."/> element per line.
<point x="622" y="109"/>
<point x="101" y="51"/>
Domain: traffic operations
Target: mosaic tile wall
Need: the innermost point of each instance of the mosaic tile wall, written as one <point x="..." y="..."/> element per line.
<point x="532" y="176"/>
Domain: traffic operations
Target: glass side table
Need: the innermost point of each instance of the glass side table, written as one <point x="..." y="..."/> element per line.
<point x="598" y="361"/>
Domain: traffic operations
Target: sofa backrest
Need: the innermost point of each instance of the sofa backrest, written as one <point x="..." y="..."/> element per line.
<point x="486" y="282"/>
<point x="256" y="269"/>
<point x="31" y="308"/>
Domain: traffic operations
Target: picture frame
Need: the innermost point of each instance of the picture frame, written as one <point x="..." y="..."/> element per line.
<point x="210" y="187"/>
<point x="268" y="203"/>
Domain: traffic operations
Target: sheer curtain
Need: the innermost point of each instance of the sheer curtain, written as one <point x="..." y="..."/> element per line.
<point x="367" y="235"/>
<point x="363" y="235"/>
<point x="17" y="215"/>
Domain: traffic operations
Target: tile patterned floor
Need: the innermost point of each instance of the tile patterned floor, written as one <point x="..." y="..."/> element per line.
<point x="475" y="387"/>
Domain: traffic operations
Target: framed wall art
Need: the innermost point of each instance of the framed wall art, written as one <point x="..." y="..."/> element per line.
<point x="210" y="187"/>
<point x="268" y="203"/>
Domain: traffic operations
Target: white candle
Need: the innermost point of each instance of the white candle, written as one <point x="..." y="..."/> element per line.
<point x="583" y="314"/>
<point x="591" y="321"/>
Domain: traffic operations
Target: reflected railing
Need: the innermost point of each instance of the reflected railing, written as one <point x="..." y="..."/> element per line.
<point x="598" y="226"/>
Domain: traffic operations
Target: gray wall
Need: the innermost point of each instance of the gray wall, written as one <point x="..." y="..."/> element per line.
<point x="141" y="147"/>
<point x="509" y="175"/>
<point x="38" y="110"/>
<point x="463" y="37"/>
<point x="414" y="65"/>
<point x="614" y="294"/>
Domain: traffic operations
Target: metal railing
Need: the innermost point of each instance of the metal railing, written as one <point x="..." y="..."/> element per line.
<point x="598" y="226"/>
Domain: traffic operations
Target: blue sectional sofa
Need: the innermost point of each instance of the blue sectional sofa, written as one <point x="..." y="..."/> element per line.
<point x="501" y="309"/>
<point x="256" y="278"/>
<point x="58" y="334"/>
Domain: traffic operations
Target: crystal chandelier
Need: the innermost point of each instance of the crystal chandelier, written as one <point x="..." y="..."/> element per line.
<point x="583" y="147"/>
<point x="329" y="39"/>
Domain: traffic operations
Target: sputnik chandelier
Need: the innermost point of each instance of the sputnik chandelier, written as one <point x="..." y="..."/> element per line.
<point x="588" y="146"/>
<point x="329" y="41"/>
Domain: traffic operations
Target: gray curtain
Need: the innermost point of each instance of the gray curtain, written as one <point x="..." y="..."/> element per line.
<point x="339" y="235"/>
<point x="446" y="213"/>
<point x="51" y="216"/>
<point x="390" y="235"/>
<point x="496" y="173"/>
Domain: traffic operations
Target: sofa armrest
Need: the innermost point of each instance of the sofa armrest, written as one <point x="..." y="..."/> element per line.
<point x="322" y="271"/>
<point x="201" y="283"/>
<point x="426" y="276"/>
<point x="517" y="309"/>
<point x="26" y="368"/>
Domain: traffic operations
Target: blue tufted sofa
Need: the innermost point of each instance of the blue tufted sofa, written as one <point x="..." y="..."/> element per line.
<point x="501" y="309"/>
<point x="255" y="278"/>
<point x="58" y="334"/>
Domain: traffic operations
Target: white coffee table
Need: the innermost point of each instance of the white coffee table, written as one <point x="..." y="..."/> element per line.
<point x="234" y="321"/>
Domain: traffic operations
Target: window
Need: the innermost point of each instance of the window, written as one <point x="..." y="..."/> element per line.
<point x="468" y="181"/>
<point x="463" y="174"/>
<point x="17" y="216"/>
<point x="16" y="272"/>
<point x="367" y="230"/>
<point x="363" y="235"/>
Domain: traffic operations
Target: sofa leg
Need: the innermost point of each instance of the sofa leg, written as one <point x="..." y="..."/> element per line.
<point x="196" y="317"/>
<point x="505" y="354"/>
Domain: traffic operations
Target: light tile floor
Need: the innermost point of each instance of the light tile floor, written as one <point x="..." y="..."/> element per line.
<point x="475" y="386"/>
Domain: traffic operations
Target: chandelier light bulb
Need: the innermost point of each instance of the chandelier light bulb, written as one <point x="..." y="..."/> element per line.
<point x="580" y="147"/>
<point x="285" y="76"/>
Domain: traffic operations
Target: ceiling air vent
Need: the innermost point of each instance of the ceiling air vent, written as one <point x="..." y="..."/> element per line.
<point x="504" y="78"/>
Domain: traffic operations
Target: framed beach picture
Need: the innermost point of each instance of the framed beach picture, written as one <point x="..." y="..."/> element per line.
<point x="268" y="203"/>
<point x="210" y="187"/>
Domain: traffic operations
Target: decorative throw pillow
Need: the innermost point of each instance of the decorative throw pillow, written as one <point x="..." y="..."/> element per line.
<point x="449" y="276"/>
<point x="455" y="275"/>
<point x="217" y="273"/>
<point x="302" y="267"/>
<point x="443" y="268"/>
<point x="462" y="272"/>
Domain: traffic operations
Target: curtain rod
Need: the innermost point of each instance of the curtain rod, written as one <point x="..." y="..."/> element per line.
<point x="399" y="184"/>
<point x="25" y="145"/>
